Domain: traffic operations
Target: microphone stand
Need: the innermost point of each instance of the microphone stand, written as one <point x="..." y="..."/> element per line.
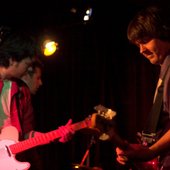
<point x="92" y="141"/>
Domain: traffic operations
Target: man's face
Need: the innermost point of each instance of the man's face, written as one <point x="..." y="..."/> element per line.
<point x="35" y="81"/>
<point x="155" y="50"/>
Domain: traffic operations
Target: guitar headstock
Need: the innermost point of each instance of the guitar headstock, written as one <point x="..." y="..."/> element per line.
<point x="105" y="112"/>
<point x="103" y="120"/>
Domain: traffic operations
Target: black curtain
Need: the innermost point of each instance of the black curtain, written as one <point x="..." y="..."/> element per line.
<point x="95" y="65"/>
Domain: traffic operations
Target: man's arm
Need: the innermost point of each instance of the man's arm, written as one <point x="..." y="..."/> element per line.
<point x="143" y="153"/>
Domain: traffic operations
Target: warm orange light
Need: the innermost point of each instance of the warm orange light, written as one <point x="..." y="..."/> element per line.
<point x="50" y="47"/>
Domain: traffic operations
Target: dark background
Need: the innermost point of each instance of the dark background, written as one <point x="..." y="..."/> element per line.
<point x="95" y="64"/>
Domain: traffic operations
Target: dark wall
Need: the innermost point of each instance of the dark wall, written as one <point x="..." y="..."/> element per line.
<point x="95" y="65"/>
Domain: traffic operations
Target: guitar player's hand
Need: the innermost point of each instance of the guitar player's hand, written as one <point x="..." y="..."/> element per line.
<point x="136" y="152"/>
<point x="66" y="132"/>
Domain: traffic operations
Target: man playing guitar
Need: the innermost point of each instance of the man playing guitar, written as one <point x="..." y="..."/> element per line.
<point x="150" y="31"/>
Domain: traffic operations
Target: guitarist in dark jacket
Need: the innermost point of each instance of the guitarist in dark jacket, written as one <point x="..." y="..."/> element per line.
<point x="150" y="31"/>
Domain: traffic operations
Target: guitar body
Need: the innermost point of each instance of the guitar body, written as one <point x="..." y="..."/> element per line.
<point x="149" y="165"/>
<point x="8" y="137"/>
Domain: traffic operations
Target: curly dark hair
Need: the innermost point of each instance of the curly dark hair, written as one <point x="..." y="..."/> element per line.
<point x="15" y="45"/>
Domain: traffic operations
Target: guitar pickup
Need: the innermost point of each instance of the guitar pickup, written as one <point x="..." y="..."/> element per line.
<point x="147" y="138"/>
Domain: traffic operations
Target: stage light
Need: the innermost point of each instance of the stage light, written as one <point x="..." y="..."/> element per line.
<point x="86" y="18"/>
<point x="89" y="11"/>
<point x="50" y="47"/>
<point x="88" y="14"/>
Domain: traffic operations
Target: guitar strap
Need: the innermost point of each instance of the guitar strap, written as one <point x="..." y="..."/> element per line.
<point x="153" y="118"/>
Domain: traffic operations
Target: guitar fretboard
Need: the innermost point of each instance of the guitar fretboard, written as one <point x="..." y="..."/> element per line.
<point x="44" y="138"/>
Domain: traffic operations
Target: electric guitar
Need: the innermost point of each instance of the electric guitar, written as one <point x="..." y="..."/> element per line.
<point x="10" y="146"/>
<point x="112" y="135"/>
<point x="109" y="131"/>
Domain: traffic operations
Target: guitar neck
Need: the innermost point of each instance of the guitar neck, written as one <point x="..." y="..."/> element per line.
<point x="44" y="138"/>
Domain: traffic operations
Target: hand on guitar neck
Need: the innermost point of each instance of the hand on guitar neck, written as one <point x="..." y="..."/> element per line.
<point x="66" y="132"/>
